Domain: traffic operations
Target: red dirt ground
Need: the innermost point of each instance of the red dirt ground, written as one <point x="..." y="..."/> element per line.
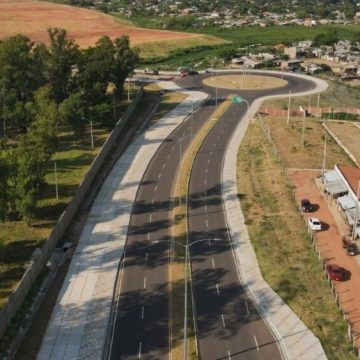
<point x="330" y="246"/>
<point x="33" y="18"/>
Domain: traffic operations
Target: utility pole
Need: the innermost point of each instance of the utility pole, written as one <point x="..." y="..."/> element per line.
<point x="324" y="159"/>
<point x="91" y="134"/>
<point x="289" y="105"/>
<point x="56" y="182"/>
<point x="303" y="130"/>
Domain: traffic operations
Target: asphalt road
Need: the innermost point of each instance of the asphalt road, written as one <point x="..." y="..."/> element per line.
<point x="227" y="322"/>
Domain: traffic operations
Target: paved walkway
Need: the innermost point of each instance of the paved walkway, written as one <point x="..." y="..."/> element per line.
<point x="295" y="340"/>
<point x="77" y="327"/>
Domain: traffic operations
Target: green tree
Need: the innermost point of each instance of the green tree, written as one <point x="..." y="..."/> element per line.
<point x="61" y="64"/>
<point x="34" y="151"/>
<point x="4" y="187"/>
<point x="21" y="73"/>
<point x="71" y="112"/>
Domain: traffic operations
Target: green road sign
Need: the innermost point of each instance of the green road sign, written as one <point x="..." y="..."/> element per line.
<point x="237" y="99"/>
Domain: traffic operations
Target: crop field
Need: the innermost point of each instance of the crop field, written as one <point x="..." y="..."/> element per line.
<point x="33" y="18"/>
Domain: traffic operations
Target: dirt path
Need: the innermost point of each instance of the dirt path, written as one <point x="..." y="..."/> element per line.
<point x="330" y="246"/>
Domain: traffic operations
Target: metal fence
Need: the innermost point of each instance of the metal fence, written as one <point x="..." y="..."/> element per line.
<point x="42" y="256"/>
<point x="353" y="336"/>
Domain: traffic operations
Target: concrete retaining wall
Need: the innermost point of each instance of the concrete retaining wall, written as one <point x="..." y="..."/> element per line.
<point x="42" y="256"/>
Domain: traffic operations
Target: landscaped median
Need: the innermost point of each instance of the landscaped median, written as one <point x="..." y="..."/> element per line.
<point x="179" y="233"/>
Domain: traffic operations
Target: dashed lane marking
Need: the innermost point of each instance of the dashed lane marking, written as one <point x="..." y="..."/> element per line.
<point x="256" y="343"/>
<point x="223" y="320"/>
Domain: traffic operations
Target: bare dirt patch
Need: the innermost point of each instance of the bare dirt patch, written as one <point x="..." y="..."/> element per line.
<point x="349" y="134"/>
<point x="33" y="18"/>
<point x="245" y="82"/>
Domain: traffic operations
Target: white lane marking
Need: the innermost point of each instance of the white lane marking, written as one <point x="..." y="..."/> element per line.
<point x="206" y="170"/>
<point x="223" y="320"/>
<point x="159" y="176"/>
<point x="146" y="257"/>
<point x="150" y="217"/>
<point x="211" y="153"/>
<point x="256" y="343"/>
<point x="205" y="181"/>
<point x="140" y="350"/>
<point x="164" y="164"/>
<point x="148" y="236"/>
<point x="144" y="282"/>
<point x="152" y="201"/>
<point x="208" y="161"/>
<point x="207" y="223"/>
<point x="213" y="263"/>
<point x="155" y="187"/>
<point x="247" y="308"/>
<point x="217" y="290"/>
<point x="142" y="313"/>
<point x="229" y="355"/>
<point x="168" y="156"/>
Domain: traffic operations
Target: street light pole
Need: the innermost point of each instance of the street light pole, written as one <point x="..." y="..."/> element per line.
<point x="56" y="182"/>
<point x="186" y="247"/>
<point x="324" y="160"/>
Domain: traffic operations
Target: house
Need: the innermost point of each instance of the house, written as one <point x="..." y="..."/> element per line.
<point x="291" y="52"/>
<point x="313" y="69"/>
<point x="343" y="183"/>
<point x="292" y="65"/>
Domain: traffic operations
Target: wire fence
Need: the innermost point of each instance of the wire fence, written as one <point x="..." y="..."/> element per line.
<point x="353" y="335"/>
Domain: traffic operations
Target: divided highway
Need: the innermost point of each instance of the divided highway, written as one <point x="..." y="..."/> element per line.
<point x="228" y="325"/>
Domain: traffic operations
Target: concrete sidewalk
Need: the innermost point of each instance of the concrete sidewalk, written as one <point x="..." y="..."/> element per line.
<point x="77" y="328"/>
<point x="295" y="340"/>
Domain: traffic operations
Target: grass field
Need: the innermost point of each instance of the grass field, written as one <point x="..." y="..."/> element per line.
<point x="349" y="135"/>
<point x="337" y="95"/>
<point x="291" y="267"/>
<point x="287" y="138"/>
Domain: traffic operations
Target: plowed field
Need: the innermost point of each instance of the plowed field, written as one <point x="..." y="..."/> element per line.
<point x="33" y="18"/>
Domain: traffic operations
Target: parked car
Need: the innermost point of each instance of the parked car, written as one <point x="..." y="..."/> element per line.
<point x="306" y="205"/>
<point x="334" y="272"/>
<point x="352" y="249"/>
<point x="315" y="224"/>
<point x="193" y="72"/>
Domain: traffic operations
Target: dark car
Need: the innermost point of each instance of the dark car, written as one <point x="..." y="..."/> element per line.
<point x="352" y="249"/>
<point x="334" y="272"/>
<point x="155" y="72"/>
<point x="306" y="205"/>
<point x="193" y="72"/>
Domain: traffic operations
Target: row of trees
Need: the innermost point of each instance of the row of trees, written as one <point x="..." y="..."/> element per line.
<point x="43" y="88"/>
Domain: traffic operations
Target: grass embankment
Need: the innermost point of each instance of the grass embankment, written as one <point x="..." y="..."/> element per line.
<point x="73" y="159"/>
<point x="285" y="255"/>
<point x="178" y="232"/>
<point x="336" y="95"/>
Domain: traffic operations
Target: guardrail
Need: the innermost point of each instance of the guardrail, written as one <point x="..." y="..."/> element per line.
<point x="42" y="256"/>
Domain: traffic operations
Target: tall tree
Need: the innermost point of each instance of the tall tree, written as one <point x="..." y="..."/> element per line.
<point x="61" y="64"/>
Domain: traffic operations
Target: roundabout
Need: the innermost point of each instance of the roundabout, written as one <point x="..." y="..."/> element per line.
<point x="245" y="82"/>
